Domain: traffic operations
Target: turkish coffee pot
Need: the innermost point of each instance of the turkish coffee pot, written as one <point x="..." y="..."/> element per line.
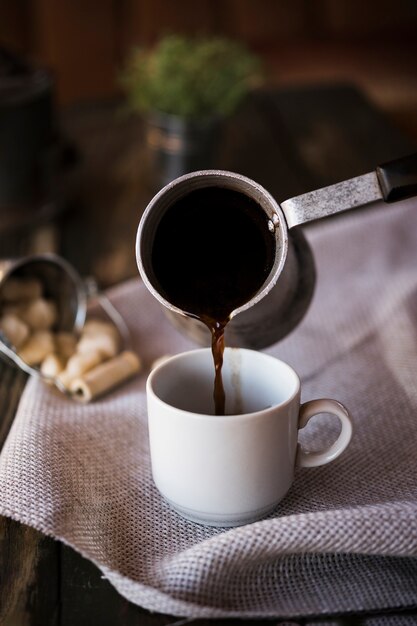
<point x="285" y="294"/>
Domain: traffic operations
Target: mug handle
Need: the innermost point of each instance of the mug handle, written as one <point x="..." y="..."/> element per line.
<point x="325" y="405"/>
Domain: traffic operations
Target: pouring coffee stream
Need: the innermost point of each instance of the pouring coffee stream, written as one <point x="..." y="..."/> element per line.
<point x="210" y="267"/>
<point x="218" y="252"/>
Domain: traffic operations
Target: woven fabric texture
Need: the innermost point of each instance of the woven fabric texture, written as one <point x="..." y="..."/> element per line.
<point x="345" y="536"/>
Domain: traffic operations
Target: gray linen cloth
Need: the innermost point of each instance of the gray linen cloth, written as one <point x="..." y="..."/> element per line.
<point x="345" y="536"/>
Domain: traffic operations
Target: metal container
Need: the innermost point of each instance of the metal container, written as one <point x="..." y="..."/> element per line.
<point x="70" y="293"/>
<point x="61" y="284"/>
<point x="180" y="145"/>
<point x="285" y="295"/>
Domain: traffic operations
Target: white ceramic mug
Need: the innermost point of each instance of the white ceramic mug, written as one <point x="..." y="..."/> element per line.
<point x="233" y="469"/>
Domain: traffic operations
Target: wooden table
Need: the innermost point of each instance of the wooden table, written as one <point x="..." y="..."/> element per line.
<point x="291" y="141"/>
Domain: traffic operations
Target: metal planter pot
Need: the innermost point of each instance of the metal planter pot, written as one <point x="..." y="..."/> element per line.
<point x="179" y="145"/>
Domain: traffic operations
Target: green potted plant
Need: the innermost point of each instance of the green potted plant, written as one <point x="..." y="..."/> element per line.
<point x="185" y="88"/>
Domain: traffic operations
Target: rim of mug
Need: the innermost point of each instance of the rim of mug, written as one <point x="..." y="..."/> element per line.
<point x="233" y="416"/>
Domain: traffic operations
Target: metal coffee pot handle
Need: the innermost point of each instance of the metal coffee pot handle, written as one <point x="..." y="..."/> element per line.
<point x="390" y="182"/>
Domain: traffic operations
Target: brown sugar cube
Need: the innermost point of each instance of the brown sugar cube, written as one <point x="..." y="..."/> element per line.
<point x="14" y="329"/>
<point x="66" y="344"/>
<point x="105" y="343"/>
<point x="40" y="314"/>
<point x="37" y="347"/>
<point x="52" y="365"/>
<point x="99" y="327"/>
<point x="78" y="364"/>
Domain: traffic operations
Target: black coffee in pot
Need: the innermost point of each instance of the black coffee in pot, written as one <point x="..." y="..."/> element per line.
<point x="212" y="253"/>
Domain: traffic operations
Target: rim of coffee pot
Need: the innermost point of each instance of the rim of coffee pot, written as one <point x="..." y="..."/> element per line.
<point x="181" y="187"/>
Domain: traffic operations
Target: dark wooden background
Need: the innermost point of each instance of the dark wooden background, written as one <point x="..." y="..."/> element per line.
<point x="85" y="42"/>
<point x="308" y="129"/>
<point x="290" y="140"/>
